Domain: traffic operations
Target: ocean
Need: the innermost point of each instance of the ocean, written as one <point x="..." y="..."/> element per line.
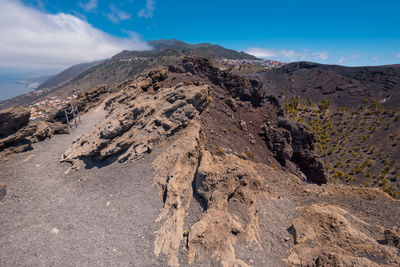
<point x="11" y="88"/>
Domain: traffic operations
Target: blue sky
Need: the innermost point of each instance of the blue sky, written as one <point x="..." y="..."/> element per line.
<point x="348" y="32"/>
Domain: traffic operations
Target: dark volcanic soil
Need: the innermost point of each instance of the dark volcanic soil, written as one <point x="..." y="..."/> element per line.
<point x="344" y="86"/>
<point x="94" y="217"/>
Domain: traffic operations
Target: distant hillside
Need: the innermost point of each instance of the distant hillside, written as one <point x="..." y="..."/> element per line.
<point x="354" y="113"/>
<point x="202" y="50"/>
<point x="47" y="85"/>
<point x="120" y="67"/>
<point x="126" y="64"/>
<point x="67" y="75"/>
<point x="343" y="86"/>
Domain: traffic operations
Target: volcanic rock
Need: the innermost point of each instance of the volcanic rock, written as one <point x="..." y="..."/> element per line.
<point x="392" y="237"/>
<point x="279" y="141"/>
<point x="12" y="119"/>
<point x="23" y="139"/>
<point x="145" y="119"/>
<point x="3" y="190"/>
<point x="328" y="235"/>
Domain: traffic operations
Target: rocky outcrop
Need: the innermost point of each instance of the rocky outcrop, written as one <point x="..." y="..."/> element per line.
<point x="290" y="140"/>
<point x="23" y="139"/>
<point x="138" y="120"/>
<point x="17" y="134"/>
<point x="230" y="186"/>
<point x="279" y="141"/>
<point x="244" y="89"/>
<point x="326" y="235"/>
<point x="392" y="237"/>
<point x="12" y="119"/>
<point x="304" y="155"/>
<point x="217" y="205"/>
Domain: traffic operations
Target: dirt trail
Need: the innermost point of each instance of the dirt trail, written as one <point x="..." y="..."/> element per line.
<point x="92" y="217"/>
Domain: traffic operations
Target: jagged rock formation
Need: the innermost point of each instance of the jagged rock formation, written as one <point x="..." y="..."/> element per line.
<point x="13" y="119"/>
<point x="139" y="119"/>
<point x="34" y="132"/>
<point x="328" y="235"/>
<point x="18" y="133"/>
<point x="292" y="141"/>
<point x="203" y="128"/>
<point x="228" y="166"/>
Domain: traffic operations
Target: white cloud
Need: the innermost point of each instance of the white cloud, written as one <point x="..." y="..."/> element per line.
<point x="149" y="10"/>
<point x="398" y="55"/>
<point x="375" y="58"/>
<point x="341" y="60"/>
<point x="36" y="39"/>
<point x="287" y="55"/>
<point x="117" y="15"/>
<point x="347" y="59"/>
<point x="320" y="55"/>
<point x="89" y="6"/>
<point x="262" y="53"/>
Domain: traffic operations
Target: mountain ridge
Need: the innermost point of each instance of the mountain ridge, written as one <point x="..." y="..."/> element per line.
<point x="120" y="67"/>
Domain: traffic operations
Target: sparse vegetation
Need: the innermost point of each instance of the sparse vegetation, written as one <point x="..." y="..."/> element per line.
<point x="250" y="154"/>
<point x="347" y="140"/>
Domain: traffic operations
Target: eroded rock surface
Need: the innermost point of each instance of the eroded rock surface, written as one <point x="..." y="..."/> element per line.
<point x="328" y="235"/>
<point x="12" y="119"/>
<point x="139" y="119"/>
<point x="203" y="128"/>
<point x="33" y="132"/>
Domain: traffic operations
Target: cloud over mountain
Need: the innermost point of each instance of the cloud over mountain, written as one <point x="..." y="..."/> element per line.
<point x="287" y="55"/>
<point x="30" y="38"/>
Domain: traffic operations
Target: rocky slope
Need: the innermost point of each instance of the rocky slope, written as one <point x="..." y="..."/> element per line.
<point x="343" y="86"/>
<point x="230" y="169"/>
<point x="354" y="114"/>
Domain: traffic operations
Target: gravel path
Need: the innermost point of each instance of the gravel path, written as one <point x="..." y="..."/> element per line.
<point x="92" y="217"/>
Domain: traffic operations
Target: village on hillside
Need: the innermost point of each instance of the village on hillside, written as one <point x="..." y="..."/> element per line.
<point x="41" y="109"/>
<point x="266" y="63"/>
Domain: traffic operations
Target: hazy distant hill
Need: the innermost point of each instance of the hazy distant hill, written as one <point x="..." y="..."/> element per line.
<point x="67" y="75"/>
<point x="177" y="47"/>
<point x="202" y="49"/>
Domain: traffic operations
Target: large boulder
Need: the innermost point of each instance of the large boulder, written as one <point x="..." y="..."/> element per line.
<point x="289" y="140"/>
<point x="392" y="236"/>
<point x="12" y="119"/>
<point x="279" y="142"/>
<point x="304" y="155"/>
<point x="22" y="140"/>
